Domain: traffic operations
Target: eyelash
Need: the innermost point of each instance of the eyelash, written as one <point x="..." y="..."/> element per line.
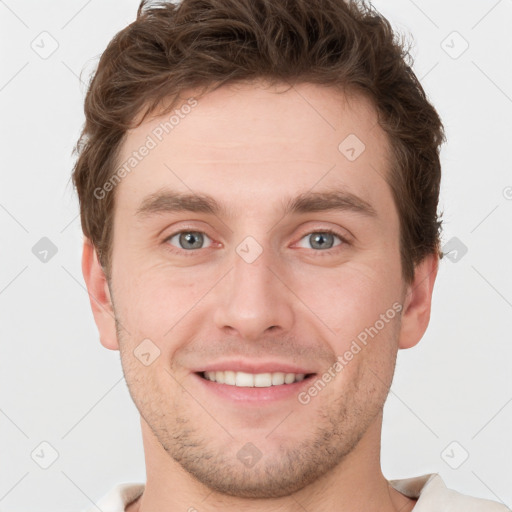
<point x="325" y="252"/>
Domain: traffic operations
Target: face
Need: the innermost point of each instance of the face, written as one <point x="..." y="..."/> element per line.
<point x="286" y="267"/>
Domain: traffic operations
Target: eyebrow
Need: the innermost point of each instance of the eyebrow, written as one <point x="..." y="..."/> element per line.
<point x="167" y="201"/>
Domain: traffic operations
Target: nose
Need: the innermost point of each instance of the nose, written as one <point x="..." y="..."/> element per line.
<point x="253" y="299"/>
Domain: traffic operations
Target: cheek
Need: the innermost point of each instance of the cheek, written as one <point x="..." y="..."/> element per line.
<point x="155" y="301"/>
<point x="352" y="302"/>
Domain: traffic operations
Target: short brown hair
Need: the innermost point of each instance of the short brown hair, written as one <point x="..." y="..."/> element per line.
<point x="171" y="48"/>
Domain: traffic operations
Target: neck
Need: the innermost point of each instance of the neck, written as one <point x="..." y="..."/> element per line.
<point x="357" y="483"/>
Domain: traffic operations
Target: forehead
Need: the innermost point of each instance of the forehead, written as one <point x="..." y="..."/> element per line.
<point x="247" y="143"/>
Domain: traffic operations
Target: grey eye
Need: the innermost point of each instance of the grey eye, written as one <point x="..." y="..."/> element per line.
<point x="189" y="240"/>
<point x="321" y="240"/>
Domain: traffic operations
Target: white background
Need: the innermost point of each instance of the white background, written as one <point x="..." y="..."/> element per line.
<point x="59" y="385"/>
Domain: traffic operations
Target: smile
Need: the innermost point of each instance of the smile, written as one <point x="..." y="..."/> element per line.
<point x="253" y="380"/>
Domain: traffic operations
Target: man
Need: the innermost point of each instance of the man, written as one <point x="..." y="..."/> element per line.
<point x="258" y="184"/>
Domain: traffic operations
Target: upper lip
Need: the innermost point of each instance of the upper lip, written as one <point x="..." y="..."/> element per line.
<point x="240" y="365"/>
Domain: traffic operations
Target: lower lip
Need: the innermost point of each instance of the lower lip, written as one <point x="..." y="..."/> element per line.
<point x="254" y="395"/>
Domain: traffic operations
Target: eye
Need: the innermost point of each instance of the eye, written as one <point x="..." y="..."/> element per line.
<point x="188" y="240"/>
<point x="323" y="240"/>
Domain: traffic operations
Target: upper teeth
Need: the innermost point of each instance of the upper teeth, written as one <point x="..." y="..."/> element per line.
<point x="251" y="380"/>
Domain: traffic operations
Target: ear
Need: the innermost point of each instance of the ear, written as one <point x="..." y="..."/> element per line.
<point x="99" y="296"/>
<point x="417" y="302"/>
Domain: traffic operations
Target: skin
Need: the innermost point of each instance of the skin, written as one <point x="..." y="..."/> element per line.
<point x="249" y="147"/>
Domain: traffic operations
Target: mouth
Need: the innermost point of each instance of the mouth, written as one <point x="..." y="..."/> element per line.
<point x="254" y="380"/>
<point x="252" y="389"/>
